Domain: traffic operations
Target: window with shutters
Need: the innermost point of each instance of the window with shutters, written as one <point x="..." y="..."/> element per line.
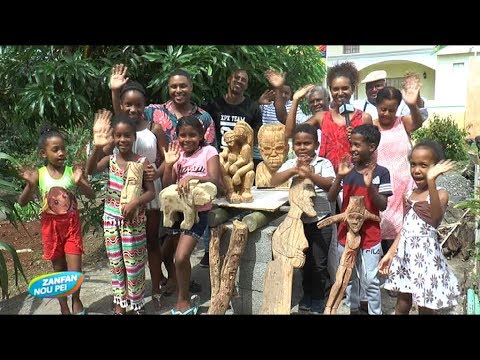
<point x="351" y="49"/>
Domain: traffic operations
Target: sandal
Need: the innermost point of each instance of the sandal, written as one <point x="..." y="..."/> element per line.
<point x="194" y="305"/>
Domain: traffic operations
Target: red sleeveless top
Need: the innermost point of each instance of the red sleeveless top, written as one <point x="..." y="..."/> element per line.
<point x="334" y="144"/>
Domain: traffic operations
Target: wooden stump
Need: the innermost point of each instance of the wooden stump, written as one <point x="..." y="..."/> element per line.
<point x="238" y="240"/>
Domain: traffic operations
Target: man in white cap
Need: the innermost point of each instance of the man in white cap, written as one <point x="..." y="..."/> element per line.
<point x="374" y="82"/>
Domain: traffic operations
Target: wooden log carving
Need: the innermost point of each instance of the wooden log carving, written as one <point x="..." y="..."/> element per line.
<point x="354" y="215"/>
<point x="288" y="246"/>
<point x="238" y="240"/>
<point x="214" y="257"/>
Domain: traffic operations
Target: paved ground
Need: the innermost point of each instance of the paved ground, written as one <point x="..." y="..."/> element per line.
<point x="96" y="293"/>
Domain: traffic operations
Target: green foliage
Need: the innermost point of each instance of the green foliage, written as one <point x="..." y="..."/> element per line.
<point x="65" y="85"/>
<point x="8" y="189"/>
<point x="91" y="211"/>
<point x="446" y="132"/>
<point x="210" y="67"/>
<point x="472" y="204"/>
<point x="29" y="212"/>
<point x="8" y="196"/>
<point x="17" y="266"/>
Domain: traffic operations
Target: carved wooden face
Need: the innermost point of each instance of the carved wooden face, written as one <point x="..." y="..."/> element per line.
<point x="271" y="143"/>
<point x="355" y="221"/>
<point x="229" y="138"/>
<point x="59" y="201"/>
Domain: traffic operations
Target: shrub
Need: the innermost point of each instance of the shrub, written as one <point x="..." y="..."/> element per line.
<point x="445" y="131"/>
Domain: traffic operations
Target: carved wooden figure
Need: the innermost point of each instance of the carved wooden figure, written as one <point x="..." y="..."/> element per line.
<point x="236" y="161"/>
<point x="132" y="183"/>
<point x="288" y="245"/>
<point x="355" y="215"/>
<point x="274" y="151"/>
<point x="171" y="202"/>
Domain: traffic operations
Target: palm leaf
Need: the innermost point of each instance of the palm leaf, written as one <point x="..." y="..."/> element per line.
<point x="17" y="266"/>
<point x="3" y="276"/>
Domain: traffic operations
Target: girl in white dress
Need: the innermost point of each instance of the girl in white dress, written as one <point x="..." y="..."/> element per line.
<point x="415" y="265"/>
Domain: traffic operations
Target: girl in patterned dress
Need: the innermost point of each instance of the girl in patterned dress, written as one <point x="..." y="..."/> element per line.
<point x="124" y="227"/>
<point x="415" y="265"/>
<point x="392" y="152"/>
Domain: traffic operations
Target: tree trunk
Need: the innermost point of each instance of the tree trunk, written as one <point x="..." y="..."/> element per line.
<point x="238" y="240"/>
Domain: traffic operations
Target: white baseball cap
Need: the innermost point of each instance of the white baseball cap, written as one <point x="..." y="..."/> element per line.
<point x="375" y="76"/>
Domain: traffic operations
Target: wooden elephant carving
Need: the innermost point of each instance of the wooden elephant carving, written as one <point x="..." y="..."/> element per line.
<point x="172" y="203"/>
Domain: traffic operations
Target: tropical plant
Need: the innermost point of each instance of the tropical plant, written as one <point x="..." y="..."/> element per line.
<point x="8" y="190"/>
<point x="8" y="196"/>
<point x="17" y="266"/>
<point x="64" y="85"/>
<point x="445" y="131"/>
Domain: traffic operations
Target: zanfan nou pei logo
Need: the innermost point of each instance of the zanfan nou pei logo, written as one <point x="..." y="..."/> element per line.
<point x="56" y="284"/>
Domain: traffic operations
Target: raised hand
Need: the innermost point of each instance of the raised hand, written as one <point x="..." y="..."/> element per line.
<point x="28" y="175"/>
<point x="173" y="153"/>
<point x="102" y="130"/>
<point x="411" y="88"/>
<point x="300" y="93"/>
<point x="267" y="97"/>
<point x="345" y="166"/>
<point x="118" y="79"/>
<point x="77" y="174"/>
<point x="368" y="175"/>
<point x="442" y="167"/>
<point x="276" y="79"/>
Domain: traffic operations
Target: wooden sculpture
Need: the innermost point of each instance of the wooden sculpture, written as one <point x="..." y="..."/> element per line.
<point x="237" y="163"/>
<point x="132" y="183"/>
<point x="288" y="246"/>
<point x="222" y="276"/>
<point x="171" y="202"/>
<point x="355" y="215"/>
<point x="274" y="151"/>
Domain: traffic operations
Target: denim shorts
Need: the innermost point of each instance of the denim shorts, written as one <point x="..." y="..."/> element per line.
<point x="196" y="231"/>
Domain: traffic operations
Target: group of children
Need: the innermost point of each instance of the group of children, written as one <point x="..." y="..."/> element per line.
<point x="415" y="266"/>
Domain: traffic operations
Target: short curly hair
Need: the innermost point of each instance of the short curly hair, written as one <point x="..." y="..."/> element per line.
<point x="346" y="69"/>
